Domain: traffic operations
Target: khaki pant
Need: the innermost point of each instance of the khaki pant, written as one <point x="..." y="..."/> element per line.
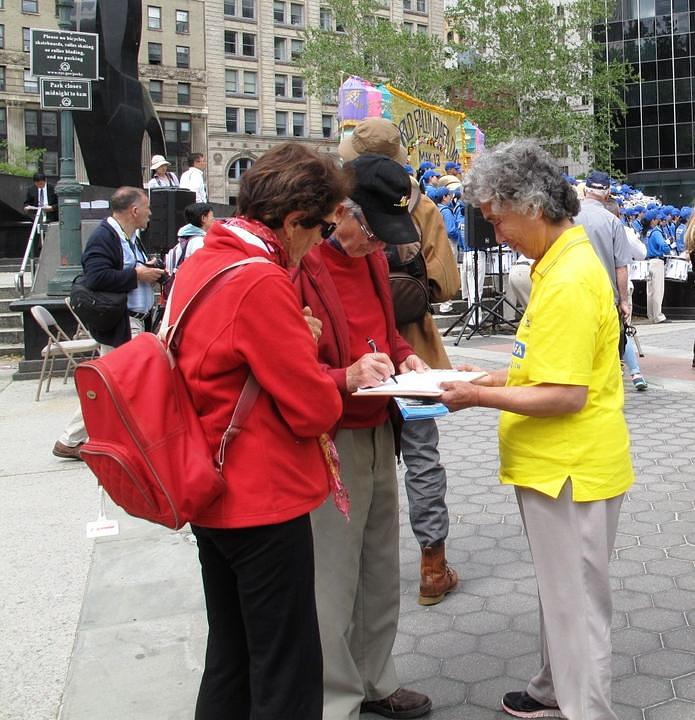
<point x="571" y="544"/>
<point x="75" y="432"/>
<point x="519" y="288"/>
<point x="358" y="576"/>
<point x="655" y="290"/>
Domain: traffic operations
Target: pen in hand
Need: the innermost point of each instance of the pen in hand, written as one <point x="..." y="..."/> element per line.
<point x="374" y="349"/>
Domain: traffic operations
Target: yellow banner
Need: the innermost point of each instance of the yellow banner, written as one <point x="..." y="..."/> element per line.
<point x="428" y="132"/>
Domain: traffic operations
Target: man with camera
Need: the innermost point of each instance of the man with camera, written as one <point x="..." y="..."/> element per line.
<point x="114" y="260"/>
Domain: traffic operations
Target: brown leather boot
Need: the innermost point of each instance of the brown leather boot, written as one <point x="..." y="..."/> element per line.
<point x="436" y="577"/>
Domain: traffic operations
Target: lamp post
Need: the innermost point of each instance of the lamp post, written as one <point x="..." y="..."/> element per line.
<point x="68" y="191"/>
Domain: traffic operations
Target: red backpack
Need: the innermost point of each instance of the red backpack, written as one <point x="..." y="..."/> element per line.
<point x="146" y="444"/>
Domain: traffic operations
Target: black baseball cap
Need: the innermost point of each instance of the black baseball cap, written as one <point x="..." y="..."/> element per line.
<point x="381" y="187"/>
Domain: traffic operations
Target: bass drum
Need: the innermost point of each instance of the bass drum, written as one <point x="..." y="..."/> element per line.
<point x="676" y="269"/>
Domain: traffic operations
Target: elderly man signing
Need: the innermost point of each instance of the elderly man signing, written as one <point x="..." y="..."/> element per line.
<point x="564" y="443"/>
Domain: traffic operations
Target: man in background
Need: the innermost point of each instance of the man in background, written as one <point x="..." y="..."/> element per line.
<point x="193" y="178"/>
<point x="41" y="194"/>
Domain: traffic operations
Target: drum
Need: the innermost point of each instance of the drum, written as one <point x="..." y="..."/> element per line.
<point x="676" y="268"/>
<point x="639" y="270"/>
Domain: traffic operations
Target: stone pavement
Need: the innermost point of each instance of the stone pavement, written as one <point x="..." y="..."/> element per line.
<point x="139" y="635"/>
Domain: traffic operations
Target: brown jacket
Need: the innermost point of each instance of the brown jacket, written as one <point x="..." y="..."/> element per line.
<point x="444" y="282"/>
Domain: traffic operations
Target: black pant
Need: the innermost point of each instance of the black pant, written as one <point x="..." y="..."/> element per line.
<point x="263" y="659"/>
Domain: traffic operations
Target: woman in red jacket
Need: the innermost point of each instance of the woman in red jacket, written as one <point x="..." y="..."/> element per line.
<point x="255" y="545"/>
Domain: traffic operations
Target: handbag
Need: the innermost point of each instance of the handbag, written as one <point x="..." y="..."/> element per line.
<point x="99" y="310"/>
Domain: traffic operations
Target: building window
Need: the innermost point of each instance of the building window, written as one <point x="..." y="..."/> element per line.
<point x="49" y="162"/>
<point x="26" y="39"/>
<point x="240" y="8"/>
<point x="238" y="168"/>
<point x="297" y="48"/>
<point x="407" y="4"/>
<point x="280" y="85"/>
<point x="229" y="42"/>
<point x="421" y="5"/>
<point x="296" y="14"/>
<point x="3" y="84"/>
<point x="422" y="29"/>
<point x="250" y="82"/>
<point x="298" y="124"/>
<point x="183" y="93"/>
<point x="157" y="91"/>
<point x="31" y="84"/>
<point x="183" y="56"/>
<point x="30" y="6"/>
<point x="182" y="22"/>
<point x="279" y="12"/>
<point x="41" y="129"/>
<point x="297" y="87"/>
<point x="177" y="132"/>
<point x="2" y="36"/>
<point x="232" y="119"/>
<point x="154" y="53"/>
<point x="327" y="126"/>
<point x="231" y="82"/>
<point x="280" y="49"/>
<point x="281" y="123"/>
<point x="325" y="19"/>
<point x="250" y="121"/>
<point x="154" y="17"/>
<point x="248" y="44"/>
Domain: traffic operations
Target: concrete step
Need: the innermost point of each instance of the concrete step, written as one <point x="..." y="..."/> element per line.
<point x="11" y="320"/>
<point x="12" y="350"/>
<point x="12" y="336"/>
<point x="8" y="292"/>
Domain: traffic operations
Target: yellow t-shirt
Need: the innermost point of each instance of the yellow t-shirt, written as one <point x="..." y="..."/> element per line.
<point x="569" y="336"/>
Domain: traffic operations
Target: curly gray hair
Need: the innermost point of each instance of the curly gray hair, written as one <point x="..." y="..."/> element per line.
<point x="521" y="176"/>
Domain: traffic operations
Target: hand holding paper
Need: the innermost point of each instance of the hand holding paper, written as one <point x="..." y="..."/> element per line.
<point x="420" y="384"/>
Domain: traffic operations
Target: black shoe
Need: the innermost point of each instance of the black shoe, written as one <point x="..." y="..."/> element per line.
<point x="522" y="705"/>
<point x="402" y="703"/>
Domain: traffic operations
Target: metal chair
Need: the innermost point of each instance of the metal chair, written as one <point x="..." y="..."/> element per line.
<point x="59" y="345"/>
<point x="81" y="331"/>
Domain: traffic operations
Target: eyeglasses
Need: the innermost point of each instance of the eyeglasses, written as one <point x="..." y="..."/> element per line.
<point x="327" y="229"/>
<point x="371" y="237"/>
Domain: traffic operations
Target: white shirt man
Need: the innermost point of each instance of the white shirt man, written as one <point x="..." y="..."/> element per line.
<point x="193" y="178"/>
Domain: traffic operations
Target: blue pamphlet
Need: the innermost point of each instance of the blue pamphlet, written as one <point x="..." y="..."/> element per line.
<point x="420" y="408"/>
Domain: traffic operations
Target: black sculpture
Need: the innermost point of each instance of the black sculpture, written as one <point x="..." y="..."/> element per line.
<point x="122" y="111"/>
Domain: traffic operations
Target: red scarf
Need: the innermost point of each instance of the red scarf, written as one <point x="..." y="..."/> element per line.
<point x="264" y="233"/>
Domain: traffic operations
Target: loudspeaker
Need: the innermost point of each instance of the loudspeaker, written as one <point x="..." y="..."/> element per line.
<point x="480" y="234"/>
<point x="167" y="217"/>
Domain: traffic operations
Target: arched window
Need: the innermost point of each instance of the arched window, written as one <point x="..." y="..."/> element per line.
<point x="238" y="167"/>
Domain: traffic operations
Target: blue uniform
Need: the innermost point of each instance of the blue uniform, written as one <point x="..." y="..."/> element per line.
<point x="637" y="226"/>
<point x="449" y="218"/>
<point x="657" y="247"/>
<point x="680" y="237"/>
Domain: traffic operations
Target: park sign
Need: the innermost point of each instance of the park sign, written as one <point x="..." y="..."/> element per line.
<point x="64" y="54"/>
<point x="60" y="94"/>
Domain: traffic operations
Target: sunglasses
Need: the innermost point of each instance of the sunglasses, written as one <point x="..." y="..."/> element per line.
<point x="327" y="229"/>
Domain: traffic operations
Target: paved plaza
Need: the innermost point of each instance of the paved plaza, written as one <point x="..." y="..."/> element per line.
<point x="114" y="629"/>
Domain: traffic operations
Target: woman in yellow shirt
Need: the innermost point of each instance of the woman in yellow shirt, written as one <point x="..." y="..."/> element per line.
<point x="563" y="439"/>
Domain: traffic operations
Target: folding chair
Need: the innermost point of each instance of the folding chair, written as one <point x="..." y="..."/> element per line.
<point x="59" y="344"/>
<point x="81" y="331"/>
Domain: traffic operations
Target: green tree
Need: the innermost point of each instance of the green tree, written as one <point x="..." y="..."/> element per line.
<point x="531" y="68"/>
<point x="362" y="41"/>
<point x="21" y="161"/>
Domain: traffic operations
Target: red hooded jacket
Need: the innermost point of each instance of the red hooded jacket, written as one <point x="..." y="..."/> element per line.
<point x="274" y="468"/>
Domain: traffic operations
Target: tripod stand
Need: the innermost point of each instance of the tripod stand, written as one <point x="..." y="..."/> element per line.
<point x="501" y="299"/>
<point x="473" y="310"/>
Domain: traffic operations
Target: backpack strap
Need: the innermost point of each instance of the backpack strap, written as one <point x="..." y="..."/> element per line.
<point x="249" y="393"/>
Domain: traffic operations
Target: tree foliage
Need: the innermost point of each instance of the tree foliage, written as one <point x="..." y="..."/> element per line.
<point x="364" y="42"/>
<point x="531" y="68"/>
<point x="22" y="161"/>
